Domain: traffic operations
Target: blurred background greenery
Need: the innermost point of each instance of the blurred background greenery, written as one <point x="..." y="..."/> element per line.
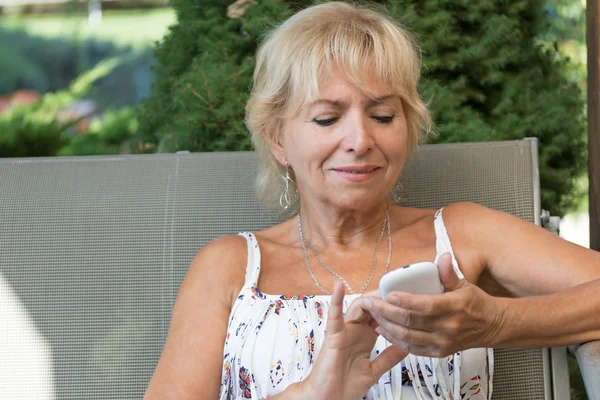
<point x="139" y="28"/>
<point x="44" y="48"/>
<point x="146" y="75"/>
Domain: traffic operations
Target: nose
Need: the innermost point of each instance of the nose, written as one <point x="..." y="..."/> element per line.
<point x="358" y="137"/>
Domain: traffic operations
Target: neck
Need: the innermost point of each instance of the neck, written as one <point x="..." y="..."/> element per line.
<point x="344" y="229"/>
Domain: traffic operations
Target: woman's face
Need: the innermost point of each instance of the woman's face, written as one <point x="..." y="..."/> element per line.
<point x="346" y="148"/>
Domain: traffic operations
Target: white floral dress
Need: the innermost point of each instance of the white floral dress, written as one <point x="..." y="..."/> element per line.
<point x="273" y="340"/>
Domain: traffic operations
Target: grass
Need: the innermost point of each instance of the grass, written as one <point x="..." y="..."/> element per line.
<point x="136" y="28"/>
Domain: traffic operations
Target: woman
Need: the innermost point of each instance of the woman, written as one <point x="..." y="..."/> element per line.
<point x="335" y="111"/>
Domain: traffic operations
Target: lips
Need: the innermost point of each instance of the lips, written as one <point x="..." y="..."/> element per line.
<point x="361" y="173"/>
<point x="357" y="169"/>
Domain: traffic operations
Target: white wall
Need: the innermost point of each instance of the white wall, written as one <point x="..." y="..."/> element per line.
<point x="576" y="228"/>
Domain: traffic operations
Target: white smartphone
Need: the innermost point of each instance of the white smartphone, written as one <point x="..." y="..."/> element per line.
<point x="418" y="278"/>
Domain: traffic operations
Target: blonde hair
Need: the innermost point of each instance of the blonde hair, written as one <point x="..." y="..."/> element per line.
<point x="363" y="40"/>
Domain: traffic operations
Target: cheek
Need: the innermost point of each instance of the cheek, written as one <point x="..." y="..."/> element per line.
<point x="317" y="143"/>
<point x="395" y="150"/>
<point x="310" y="149"/>
<point x="396" y="143"/>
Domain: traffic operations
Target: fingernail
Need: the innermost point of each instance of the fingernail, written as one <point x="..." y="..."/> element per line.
<point x="366" y="302"/>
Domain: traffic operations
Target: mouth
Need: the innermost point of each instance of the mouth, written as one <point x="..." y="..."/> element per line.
<point x="357" y="174"/>
<point x="357" y="171"/>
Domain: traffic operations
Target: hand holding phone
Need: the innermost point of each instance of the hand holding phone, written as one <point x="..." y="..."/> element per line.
<point x="418" y="278"/>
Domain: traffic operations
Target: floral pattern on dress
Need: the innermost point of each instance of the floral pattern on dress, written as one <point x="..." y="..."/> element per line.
<point x="226" y="370"/>
<point x="451" y="364"/>
<point x="273" y="341"/>
<point x="257" y="293"/>
<point x="277" y="373"/>
<point x="311" y="346"/>
<point x="319" y="307"/>
<point x="406" y="379"/>
<point x="471" y="388"/>
<point x="245" y="383"/>
<point x="294" y="331"/>
<point x="295" y="297"/>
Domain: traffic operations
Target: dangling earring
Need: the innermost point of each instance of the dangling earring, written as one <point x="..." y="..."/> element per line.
<point x="285" y="200"/>
<point x="397" y="191"/>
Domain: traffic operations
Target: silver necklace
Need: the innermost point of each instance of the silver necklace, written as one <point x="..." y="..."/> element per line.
<point x="304" y="242"/>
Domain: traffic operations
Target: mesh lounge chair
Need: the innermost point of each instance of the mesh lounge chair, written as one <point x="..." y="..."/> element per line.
<point x="93" y="250"/>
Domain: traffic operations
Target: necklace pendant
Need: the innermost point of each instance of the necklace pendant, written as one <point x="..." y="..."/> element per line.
<point x="304" y="242"/>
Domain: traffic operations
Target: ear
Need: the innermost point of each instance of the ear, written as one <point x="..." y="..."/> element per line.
<point x="276" y="147"/>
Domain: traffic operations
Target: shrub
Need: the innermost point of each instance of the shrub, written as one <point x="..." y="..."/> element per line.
<point x="33" y="130"/>
<point x="112" y="133"/>
<point x="485" y="75"/>
<point x="51" y="64"/>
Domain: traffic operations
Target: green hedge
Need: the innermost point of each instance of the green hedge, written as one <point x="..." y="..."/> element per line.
<point x="484" y="74"/>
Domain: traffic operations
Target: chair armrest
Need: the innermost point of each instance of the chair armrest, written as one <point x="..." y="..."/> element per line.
<point x="550" y="223"/>
<point x="588" y="357"/>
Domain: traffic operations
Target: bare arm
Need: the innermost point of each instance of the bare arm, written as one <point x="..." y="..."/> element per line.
<point x="191" y="362"/>
<point x="559" y="319"/>
<point x="556" y="282"/>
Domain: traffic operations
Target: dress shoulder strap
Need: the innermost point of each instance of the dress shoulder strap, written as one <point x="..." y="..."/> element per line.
<point x="253" y="264"/>
<point x="442" y="243"/>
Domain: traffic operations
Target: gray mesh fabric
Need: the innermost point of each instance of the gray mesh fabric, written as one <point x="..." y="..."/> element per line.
<point x="93" y="250"/>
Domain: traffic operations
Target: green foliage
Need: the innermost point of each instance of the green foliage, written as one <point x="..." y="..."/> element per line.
<point x="113" y="133"/>
<point x="30" y="134"/>
<point x="19" y="72"/>
<point x="488" y="79"/>
<point x="577" y="385"/>
<point x="51" y="64"/>
<point x="33" y="130"/>
<point x="485" y="75"/>
<point x="204" y="72"/>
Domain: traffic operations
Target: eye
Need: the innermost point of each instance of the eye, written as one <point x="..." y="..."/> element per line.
<point x="325" y="122"/>
<point x="384" y="119"/>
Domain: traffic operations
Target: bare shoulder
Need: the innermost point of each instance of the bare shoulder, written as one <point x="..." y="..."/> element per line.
<point x="411" y="216"/>
<point x="466" y="219"/>
<point x="190" y="364"/>
<point x="520" y="256"/>
<point x="474" y="231"/>
<point x="219" y="264"/>
<point x="464" y="222"/>
<point x="227" y="248"/>
<point x="465" y="209"/>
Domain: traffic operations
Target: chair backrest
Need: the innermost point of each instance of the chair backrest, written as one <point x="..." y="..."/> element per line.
<point x="93" y="250"/>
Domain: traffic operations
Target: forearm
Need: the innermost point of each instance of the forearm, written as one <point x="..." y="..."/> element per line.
<point x="559" y="319"/>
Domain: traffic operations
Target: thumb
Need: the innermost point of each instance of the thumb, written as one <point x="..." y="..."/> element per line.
<point x="448" y="276"/>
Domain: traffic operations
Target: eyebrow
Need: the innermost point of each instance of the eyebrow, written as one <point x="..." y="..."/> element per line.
<point x="341" y="104"/>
